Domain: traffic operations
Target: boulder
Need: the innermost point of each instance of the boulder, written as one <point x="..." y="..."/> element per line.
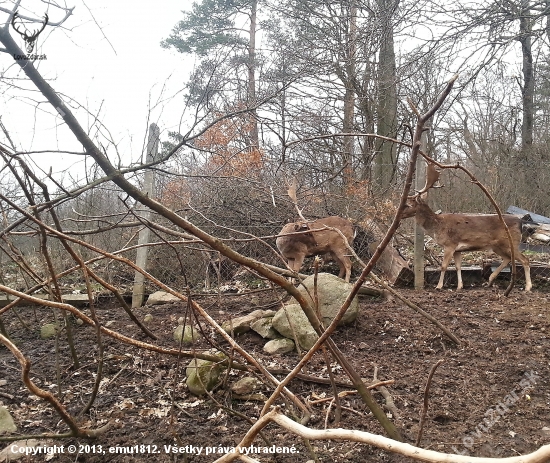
<point x="293" y="314"/>
<point x="331" y="292"/>
<point x="264" y="327"/>
<point x="186" y="336"/>
<point x="246" y="385"/>
<point x="279" y="346"/>
<point x="19" y="449"/>
<point x="48" y="331"/>
<point x="6" y="421"/>
<point x="203" y="375"/>
<point x="162" y="297"/>
<point x="242" y="324"/>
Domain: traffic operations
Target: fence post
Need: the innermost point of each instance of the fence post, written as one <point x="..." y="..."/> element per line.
<point x="419" y="181"/>
<point x="138" y="293"/>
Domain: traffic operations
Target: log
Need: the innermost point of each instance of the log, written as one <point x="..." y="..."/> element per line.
<point x="393" y="266"/>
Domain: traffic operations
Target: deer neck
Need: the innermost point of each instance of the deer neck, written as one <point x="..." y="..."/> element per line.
<point x="427" y="219"/>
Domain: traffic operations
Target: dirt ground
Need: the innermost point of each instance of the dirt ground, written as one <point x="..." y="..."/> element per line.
<point x="490" y="397"/>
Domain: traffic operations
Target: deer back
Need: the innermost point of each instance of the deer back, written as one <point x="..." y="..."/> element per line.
<point x="315" y="242"/>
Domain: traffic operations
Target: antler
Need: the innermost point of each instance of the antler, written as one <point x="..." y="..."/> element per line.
<point x="292" y="194"/>
<point x="22" y="34"/>
<point x="432" y="177"/>
<point x="29" y="39"/>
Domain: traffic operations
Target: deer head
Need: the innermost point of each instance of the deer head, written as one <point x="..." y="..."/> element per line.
<point x="418" y="199"/>
<point x="29" y="39"/>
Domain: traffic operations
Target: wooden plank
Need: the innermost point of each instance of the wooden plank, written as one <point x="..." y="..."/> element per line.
<point x="537" y="270"/>
<point x="78" y="300"/>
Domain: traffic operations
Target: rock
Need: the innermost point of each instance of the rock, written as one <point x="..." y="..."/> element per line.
<point x="331" y="292"/>
<point x="305" y="334"/>
<point x="190" y="334"/>
<point x="6" y="421"/>
<point x="241" y="325"/>
<point x="148" y="318"/>
<point x="48" y="331"/>
<point x="264" y="327"/>
<point x="203" y="375"/>
<point x="16" y="450"/>
<point x="279" y="346"/>
<point x="246" y="385"/>
<point x="161" y="297"/>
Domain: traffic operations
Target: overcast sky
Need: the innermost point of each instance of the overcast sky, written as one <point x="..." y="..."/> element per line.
<point x="107" y="58"/>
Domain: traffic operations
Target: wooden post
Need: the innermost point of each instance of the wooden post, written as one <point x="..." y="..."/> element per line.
<point x="419" y="182"/>
<point x="148" y="187"/>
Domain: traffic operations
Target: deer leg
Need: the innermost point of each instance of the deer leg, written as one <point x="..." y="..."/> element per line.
<point x="344" y="263"/>
<point x="347" y="264"/>
<point x="343" y="268"/>
<point x="505" y="262"/>
<point x="457" y="256"/>
<point x="446" y="260"/>
<point x="525" y="262"/>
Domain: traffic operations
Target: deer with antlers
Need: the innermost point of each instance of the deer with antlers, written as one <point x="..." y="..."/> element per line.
<point x="306" y="238"/>
<point x="299" y="240"/>
<point x="458" y="233"/>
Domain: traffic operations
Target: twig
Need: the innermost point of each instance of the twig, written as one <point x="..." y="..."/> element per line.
<point x="426" y="396"/>
<point x="346" y="393"/>
<point x="390" y="404"/>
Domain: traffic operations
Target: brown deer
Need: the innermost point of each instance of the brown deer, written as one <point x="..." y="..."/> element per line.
<point x="299" y="240"/>
<point x="458" y="233"/>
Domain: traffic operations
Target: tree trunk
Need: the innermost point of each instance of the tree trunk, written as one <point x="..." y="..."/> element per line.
<point x="349" y="97"/>
<point x="254" y="137"/>
<point x="528" y="88"/>
<point x="387" y="95"/>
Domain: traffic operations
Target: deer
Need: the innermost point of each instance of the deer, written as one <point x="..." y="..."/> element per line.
<point x="458" y="233"/>
<point x="298" y="240"/>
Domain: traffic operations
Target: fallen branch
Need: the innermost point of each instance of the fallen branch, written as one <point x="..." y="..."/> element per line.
<point x="390" y="404"/>
<point x="539" y="456"/>
<point x="426" y="395"/>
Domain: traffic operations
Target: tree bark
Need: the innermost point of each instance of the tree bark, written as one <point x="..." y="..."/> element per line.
<point x="254" y="137"/>
<point x="387" y="95"/>
<point x="349" y="97"/>
<point x="528" y="88"/>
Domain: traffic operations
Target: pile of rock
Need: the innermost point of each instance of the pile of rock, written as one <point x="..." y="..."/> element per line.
<point x="283" y="328"/>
